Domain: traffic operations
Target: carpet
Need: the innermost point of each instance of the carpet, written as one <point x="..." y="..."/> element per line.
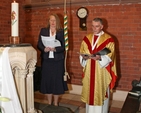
<point x="45" y="108"/>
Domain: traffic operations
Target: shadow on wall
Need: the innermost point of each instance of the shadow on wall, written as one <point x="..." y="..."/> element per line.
<point x="105" y="22"/>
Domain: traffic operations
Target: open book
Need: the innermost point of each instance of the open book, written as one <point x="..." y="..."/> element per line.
<point x="104" y="51"/>
<point x="135" y="93"/>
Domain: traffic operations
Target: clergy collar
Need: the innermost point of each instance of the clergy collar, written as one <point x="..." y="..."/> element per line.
<point x="99" y="34"/>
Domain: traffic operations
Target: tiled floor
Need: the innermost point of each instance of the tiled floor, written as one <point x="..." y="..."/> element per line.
<point x="74" y="103"/>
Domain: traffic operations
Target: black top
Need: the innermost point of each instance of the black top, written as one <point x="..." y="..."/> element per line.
<point x="59" y="54"/>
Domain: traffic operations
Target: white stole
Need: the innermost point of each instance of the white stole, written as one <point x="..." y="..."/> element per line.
<point x="105" y="60"/>
<point x="93" y="45"/>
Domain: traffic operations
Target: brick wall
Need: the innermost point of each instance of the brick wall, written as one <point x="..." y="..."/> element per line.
<point x="123" y="23"/>
<point x="5" y="20"/>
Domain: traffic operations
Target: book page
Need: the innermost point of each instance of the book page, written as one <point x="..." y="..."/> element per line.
<point x="136" y="93"/>
<point x="50" y="41"/>
<point x="84" y="54"/>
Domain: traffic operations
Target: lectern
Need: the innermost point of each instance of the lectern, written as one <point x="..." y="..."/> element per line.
<point x="132" y="103"/>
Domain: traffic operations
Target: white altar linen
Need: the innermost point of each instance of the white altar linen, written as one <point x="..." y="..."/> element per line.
<point x="8" y="88"/>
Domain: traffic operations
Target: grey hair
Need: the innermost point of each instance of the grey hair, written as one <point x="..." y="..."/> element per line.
<point x="98" y="20"/>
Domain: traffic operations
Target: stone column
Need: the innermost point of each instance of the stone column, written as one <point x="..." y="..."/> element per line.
<point x="30" y="93"/>
<point x="21" y="87"/>
<point x="23" y="58"/>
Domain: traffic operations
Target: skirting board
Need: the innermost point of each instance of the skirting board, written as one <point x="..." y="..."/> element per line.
<point x="116" y="95"/>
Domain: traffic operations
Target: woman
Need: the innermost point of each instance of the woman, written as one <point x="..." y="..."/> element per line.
<point x="52" y="83"/>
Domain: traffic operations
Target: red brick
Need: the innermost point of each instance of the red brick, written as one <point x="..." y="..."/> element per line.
<point x="123" y="23"/>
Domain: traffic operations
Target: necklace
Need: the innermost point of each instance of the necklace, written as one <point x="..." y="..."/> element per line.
<point x="53" y="32"/>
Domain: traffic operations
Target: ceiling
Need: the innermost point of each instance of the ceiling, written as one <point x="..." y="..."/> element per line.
<point x="54" y="3"/>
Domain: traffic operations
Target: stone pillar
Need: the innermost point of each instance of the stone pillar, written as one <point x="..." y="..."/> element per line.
<point x="23" y="58"/>
<point x="21" y="87"/>
<point x="30" y="93"/>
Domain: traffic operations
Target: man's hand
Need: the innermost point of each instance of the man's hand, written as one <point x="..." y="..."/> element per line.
<point x="85" y="57"/>
<point x="96" y="57"/>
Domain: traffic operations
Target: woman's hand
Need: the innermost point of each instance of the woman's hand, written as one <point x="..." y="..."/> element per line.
<point x="52" y="49"/>
<point x="47" y="49"/>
